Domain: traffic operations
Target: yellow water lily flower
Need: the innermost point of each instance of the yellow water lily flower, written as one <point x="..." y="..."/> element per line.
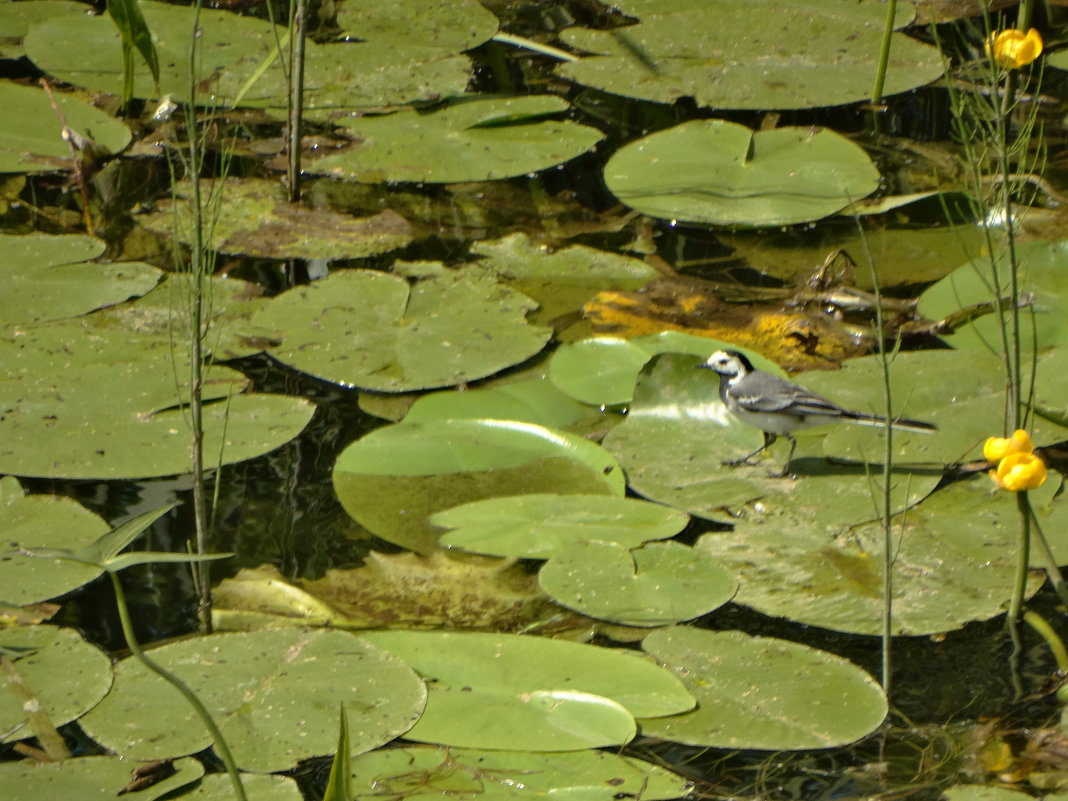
<point x="1019" y="471"/>
<point x="1014" y="48"/>
<point x="997" y="448"/>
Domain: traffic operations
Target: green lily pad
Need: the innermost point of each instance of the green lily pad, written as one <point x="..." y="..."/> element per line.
<point x="16" y="19"/>
<point x="517" y="693"/>
<point x="1043" y="272"/>
<point x="274" y="694"/>
<point x="66" y="675"/>
<point x="954" y="560"/>
<point x="217" y="787"/>
<point x="244" y="64"/>
<point x="35" y="522"/>
<point x="378" y="331"/>
<point x="49" y="277"/>
<point x="560" y="280"/>
<point x="31" y="139"/>
<point x="452" y="24"/>
<point x="424" y="773"/>
<point x="750" y="696"/>
<point x="718" y="172"/>
<point x="530" y="401"/>
<point x="602" y="371"/>
<point x="817" y="53"/>
<point x="412" y="470"/>
<point x="469" y="140"/>
<point x="92" y="778"/>
<point x="255" y="219"/>
<point x="540" y="526"/>
<point x="659" y="583"/>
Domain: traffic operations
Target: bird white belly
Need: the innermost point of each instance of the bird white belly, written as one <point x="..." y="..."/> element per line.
<point x="778" y="423"/>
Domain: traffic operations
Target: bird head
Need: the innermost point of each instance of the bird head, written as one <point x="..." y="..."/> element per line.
<point x="729" y="363"/>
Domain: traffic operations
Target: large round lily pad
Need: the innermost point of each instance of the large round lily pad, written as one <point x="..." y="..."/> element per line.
<point x="63" y="675"/>
<point x="420" y="773"/>
<point x="451" y="24"/>
<point x="954" y="560"/>
<point x="512" y="692"/>
<point x="275" y="695"/>
<point x="659" y="583"/>
<point x="713" y="171"/>
<point x="96" y="778"/>
<point x="379" y="331"/>
<point x="393" y="479"/>
<point x="539" y="526"/>
<point x="765" y="54"/>
<point x="468" y="140"/>
<point x="31" y="139"/>
<point x="47" y="277"/>
<point x="759" y="692"/>
<point x="37" y="522"/>
<point x="252" y="217"/>
<point x="241" y="61"/>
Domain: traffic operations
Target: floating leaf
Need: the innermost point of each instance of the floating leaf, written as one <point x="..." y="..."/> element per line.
<point x="255" y="219"/>
<point x="954" y="559"/>
<point x="244" y="61"/>
<point x="726" y="55"/>
<point x="470" y="140"/>
<point x="31" y="139"/>
<point x="659" y="583"/>
<point x="531" y="401"/>
<point x="37" y="522"/>
<point x="759" y="692"/>
<point x="412" y="470"/>
<point x="378" y="331"/>
<point x="505" y="691"/>
<point x="66" y="675"/>
<point x="96" y="778"/>
<point x="423" y="773"/>
<point x="1043" y="272"/>
<point x="540" y="526"/>
<point x="718" y="172"/>
<point x="17" y="18"/>
<point x="48" y="277"/>
<point x="273" y="693"/>
<point x="451" y="24"/>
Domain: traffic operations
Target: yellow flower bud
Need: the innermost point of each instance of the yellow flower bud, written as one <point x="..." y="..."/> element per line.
<point x="1019" y="471"/>
<point x="1014" y="48"/>
<point x="997" y="448"/>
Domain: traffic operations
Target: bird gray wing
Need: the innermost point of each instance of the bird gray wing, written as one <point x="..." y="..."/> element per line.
<point x="763" y="392"/>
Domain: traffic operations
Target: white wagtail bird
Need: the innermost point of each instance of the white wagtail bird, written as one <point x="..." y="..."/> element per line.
<point x="778" y="407"/>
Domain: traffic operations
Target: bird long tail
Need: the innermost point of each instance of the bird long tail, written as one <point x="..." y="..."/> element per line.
<point x="900" y="423"/>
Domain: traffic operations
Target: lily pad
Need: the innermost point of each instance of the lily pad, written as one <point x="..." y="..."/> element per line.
<point x="469" y="140"/>
<point x="244" y="63"/>
<point x="274" y="694"/>
<point x="953" y="562"/>
<point x="560" y="280"/>
<point x="540" y="526"/>
<point x="36" y="522"/>
<point x="254" y="218"/>
<point x="718" y="172"/>
<point x="31" y="139"/>
<point x="511" y="692"/>
<point x="378" y="331"/>
<point x="766" y="54"/>
<point x="533" y="400"/>
<point x="91" y="778"/>
<point x="389" y="591"/>
<point x="217" y="787"/>
<point x="451" y="24"/>
<point x="750" y="694"/>
<point x="16" y="19"/>
<point x="48" y="277"/>
<point x="424" y="773"/>
<point x="65" y="675"/>
<point x="659" y="583"/>
<point x="412" y="470"/>
<point x="1043" y="272"/>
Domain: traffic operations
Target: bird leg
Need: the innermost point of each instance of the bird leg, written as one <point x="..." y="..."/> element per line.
<point x="789" y="458"/>
<point x="768" y="439"/>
